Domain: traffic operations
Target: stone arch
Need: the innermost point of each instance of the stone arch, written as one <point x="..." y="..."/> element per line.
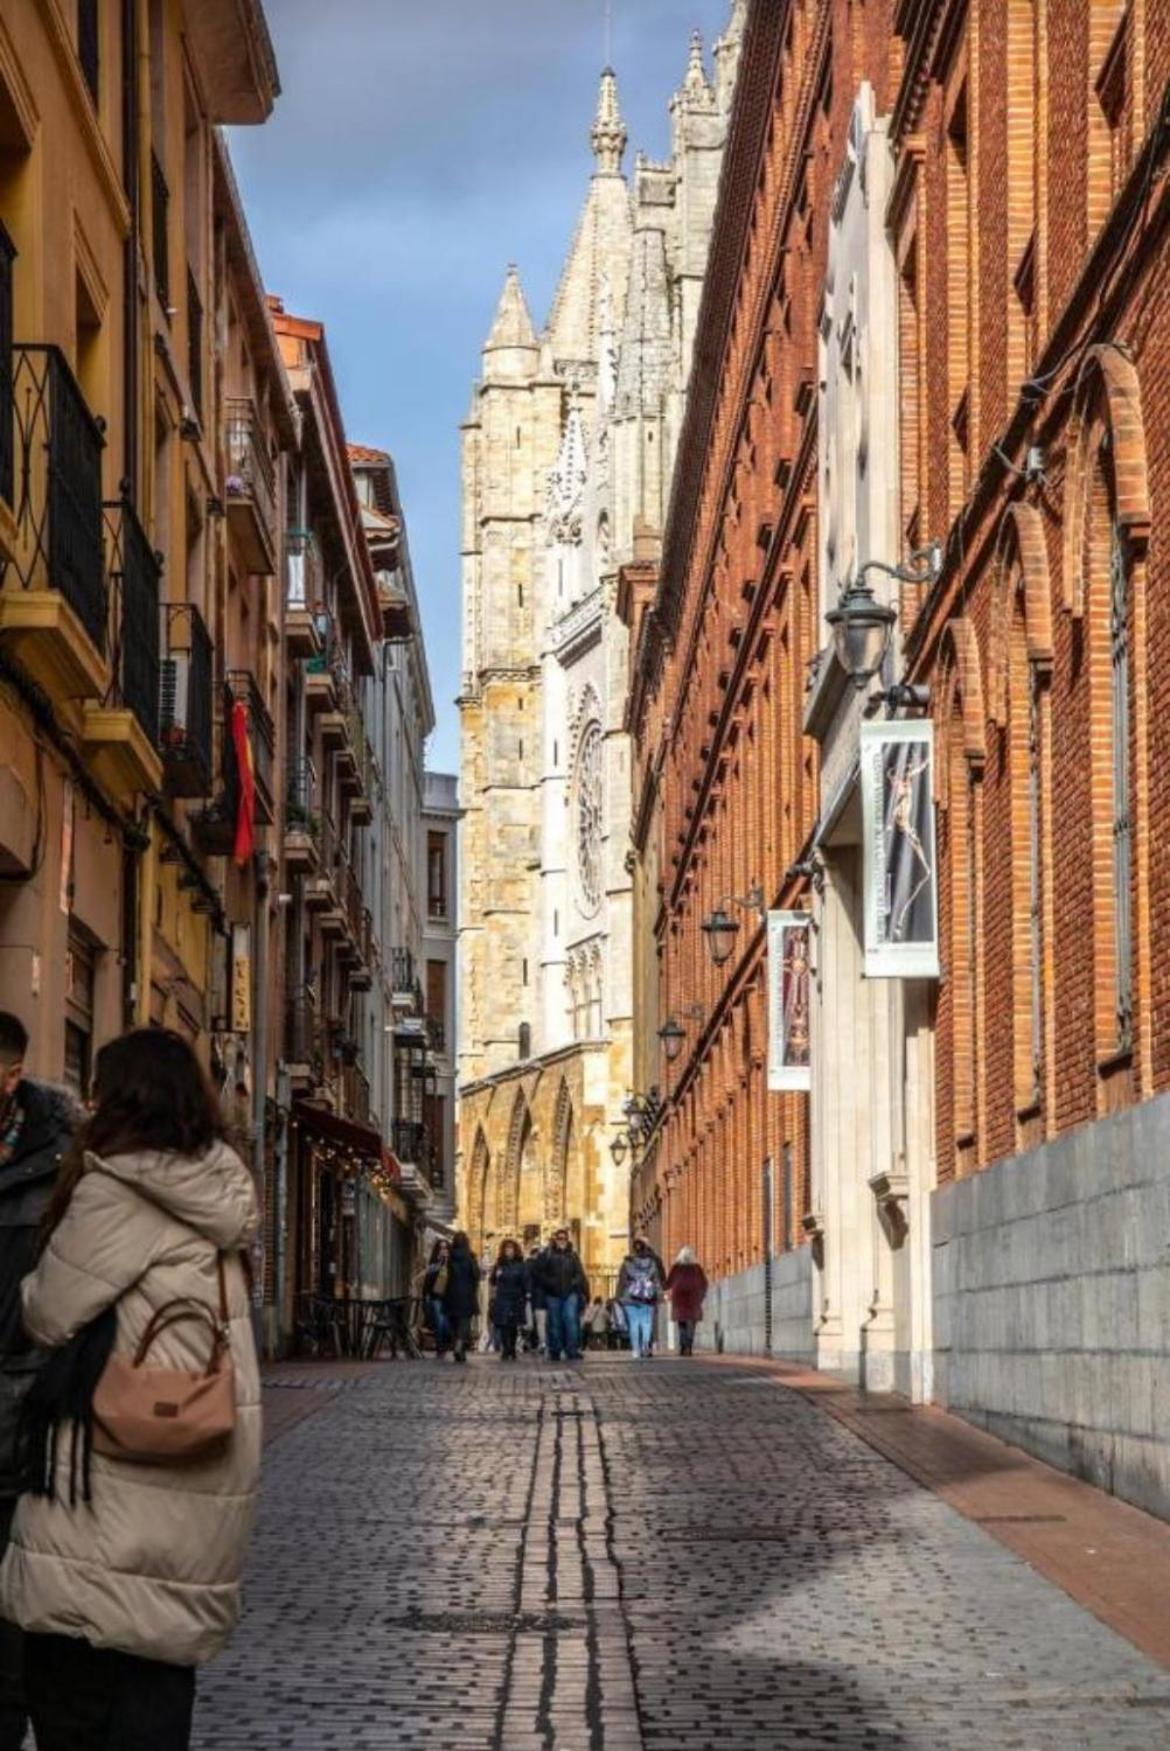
<point x="1021" y="568"/>
<point x="477" y="1190"/>
<point x="520" y="1206"/>
<point x="1107" y="409"/>
<point x="556" y="1181"/>
<point x="960" y="712"/>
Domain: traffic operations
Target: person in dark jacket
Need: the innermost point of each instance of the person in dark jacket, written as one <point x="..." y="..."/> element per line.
<point x="538" y="1304"/>
<point x="434" y="1287"/>
<point x="461" y="1295"/>
<point x="37" y="1122"/>
<point x="509" y="1296"/>
<point x="687" y="1288"/>
<point x="561" y="1278"/>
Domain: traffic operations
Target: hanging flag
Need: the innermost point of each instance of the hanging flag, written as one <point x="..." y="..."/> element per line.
<point x="789" y="967"/>
<point x="246" y="785"/>
<point x="901" y="887"/>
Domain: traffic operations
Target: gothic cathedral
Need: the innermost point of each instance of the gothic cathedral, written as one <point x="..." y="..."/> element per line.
<point x="566" y="459"/>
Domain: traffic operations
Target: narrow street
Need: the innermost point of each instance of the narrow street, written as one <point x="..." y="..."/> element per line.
<point x="616" y="1556"/>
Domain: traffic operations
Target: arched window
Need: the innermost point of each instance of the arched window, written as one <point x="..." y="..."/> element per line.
<point x="525" y="1043"/>
<point x="1120" y="786"/>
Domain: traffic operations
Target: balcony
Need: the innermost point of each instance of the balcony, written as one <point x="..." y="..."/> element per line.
<point x="408" y="1140"/>
<point x="53" y="604"/>
<point x="304" y="594"/>
<point x="436" y="1033"/>
<point x="302" y="823"/>
<point x="320" y="890"/>
<point x="242" y="690"/>
<point x="405" y="991"/>
<point x="355" y="1093"/>
<point x="250" y="488"/>
<point x="121" y="731"/>
<point x="185" y="713"/>
<point x="232" y="50"/>
<point x="303" y="1047"/>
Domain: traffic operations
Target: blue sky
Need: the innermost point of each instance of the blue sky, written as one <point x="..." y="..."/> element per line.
<point x="418" y="147"/>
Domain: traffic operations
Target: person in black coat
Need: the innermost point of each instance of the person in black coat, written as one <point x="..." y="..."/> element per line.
<point x="509" y="1286"/>
<point x="560" y="1276"/>
<point x="461" y="1296"/>
<point x="37" y="1122"/>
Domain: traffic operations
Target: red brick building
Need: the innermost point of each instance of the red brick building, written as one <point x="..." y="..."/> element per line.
<point x="1025" y="236"/>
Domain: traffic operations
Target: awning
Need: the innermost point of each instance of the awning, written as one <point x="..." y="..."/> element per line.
<point x="345" y="1136"/>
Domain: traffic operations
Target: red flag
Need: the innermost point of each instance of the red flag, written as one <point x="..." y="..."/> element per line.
<point x="246" y="803"/>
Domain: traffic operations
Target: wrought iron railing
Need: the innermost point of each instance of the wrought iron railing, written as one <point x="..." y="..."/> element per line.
<point x="301" y="795"/>
<point x="185" y="713"/>
<point x="7" y="415"/>
<point x="250" y="472"/>
<point x="57" y="493"/>
<point x="302" y="1032"/>
<point x="305" y="583"/>
<point x="261" y="731"/>
<point x="408" y="1140"/>
<point x="160" y="203"/>
<point x="436" y="1032"/>
<point x="134" y="572"/>
<point x="401" y="967"/>
<point x="351" y="899"/>
<point x="195" y="345"/>
<point x="355" y="1090"/>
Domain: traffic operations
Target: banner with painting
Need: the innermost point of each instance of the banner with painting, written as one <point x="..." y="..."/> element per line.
<point x="789" y="965"/>
<point x="901" y="869"/>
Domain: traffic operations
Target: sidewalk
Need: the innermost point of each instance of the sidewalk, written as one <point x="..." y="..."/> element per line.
<point x="1109" y="1557"/>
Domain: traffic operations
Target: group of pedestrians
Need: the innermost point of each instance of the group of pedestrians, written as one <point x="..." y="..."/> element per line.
<point x="545" y="1299"/>
<point x="129" y="1396"/>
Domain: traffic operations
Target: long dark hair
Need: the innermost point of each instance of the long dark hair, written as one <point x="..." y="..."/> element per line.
<point x="509" y="1247"/>
<point x="150" y="1092"/>
<point x="437" y="1252"/>
<point x="459" y="1243"/>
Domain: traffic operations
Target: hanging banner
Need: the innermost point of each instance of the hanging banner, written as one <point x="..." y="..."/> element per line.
<point x="789" y="963"/>
<point x="901" y="870"/>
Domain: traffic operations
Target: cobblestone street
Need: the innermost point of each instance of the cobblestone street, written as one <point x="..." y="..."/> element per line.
<point x="616" y="1556"/>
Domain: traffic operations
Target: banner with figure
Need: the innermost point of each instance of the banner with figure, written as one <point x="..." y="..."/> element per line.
<point x="789" y="958"/>
<point x="901" y="870"/>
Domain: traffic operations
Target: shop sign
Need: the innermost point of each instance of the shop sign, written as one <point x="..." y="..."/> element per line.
<point x="789" y="961"/>
<point x="901" y="870"/>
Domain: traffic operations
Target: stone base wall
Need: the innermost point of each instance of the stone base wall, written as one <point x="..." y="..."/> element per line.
<point x="734" y="1316"/>
<point x="1051" y="1289"/>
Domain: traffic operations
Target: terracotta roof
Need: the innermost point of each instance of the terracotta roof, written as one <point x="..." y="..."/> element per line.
<point x="363" y="453"/>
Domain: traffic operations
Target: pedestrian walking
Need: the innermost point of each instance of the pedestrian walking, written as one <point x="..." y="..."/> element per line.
<point x="639" y="1291"/>
<point x="37" y="1122"/>
<point x="461" y="1295"/>
<point x="596" y="1324"/>
<point x="538" y="1302"/>
<point x="509" y="1291"/>
<point x="687" y="1288"/>
<point x="126" y="1553"/>
<point x="434" y="1290"/>
<point x="562" y="1280"/>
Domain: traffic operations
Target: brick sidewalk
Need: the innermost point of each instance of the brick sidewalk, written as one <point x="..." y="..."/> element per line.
<point x="1110" y="1557"/>
<point x="638" y="1557"/>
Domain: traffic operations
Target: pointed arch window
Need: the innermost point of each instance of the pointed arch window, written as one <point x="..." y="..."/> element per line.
<point x="1122" y="816"/>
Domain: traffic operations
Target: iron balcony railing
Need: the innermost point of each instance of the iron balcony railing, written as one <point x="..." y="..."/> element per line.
<point x="303" y="1043"/>
<point x="408" y="1139"/>
<point x="305" y="582"/>
<point x="135" y="574"/>
<point x="57" y="490"/>
<point x="185" y="714"/>
<point x="250" y="471"/>
<point x="355" y="1091"/>
<point x="401" y="965"/>
<point x="436" y="1032"/>
<point x="160" y="202"/>
<point x="301" y="795"/>
<point x="351" y="899"/>
<point x="7" y="412"/>
<point x="261" y="736"/>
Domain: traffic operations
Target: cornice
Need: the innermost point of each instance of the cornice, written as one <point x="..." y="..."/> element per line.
<point x="930" y="29"/>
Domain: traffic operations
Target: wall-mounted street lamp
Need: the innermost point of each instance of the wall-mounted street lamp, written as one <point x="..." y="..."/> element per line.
<point x="619" y="1148"/>
<point x="673" y="1034"/>
<point x="862" y="625"/>
<point x="721" y="928"/>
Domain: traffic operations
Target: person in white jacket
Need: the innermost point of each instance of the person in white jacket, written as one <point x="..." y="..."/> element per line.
<point x="122" y="1590"/>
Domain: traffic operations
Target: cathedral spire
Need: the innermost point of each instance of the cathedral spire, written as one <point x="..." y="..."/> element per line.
<point x="609" y="135"/>
<point x="695" y="83"/>
<point x="512" y="326"/>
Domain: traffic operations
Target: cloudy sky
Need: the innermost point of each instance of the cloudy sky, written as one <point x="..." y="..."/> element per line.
<point x="418" y="147"/>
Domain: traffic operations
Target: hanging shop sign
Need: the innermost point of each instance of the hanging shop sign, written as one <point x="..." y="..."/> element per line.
<point x="901" y="866"/>
<point x="789" y="962"/>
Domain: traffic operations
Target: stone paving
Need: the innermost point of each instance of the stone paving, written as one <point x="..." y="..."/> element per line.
<point x="625" y="1555"/>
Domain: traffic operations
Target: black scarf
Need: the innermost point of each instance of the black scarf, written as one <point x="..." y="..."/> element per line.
<point x="61" y="1393"/>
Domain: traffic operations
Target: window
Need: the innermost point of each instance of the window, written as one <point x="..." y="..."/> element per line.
<point x="80" y="957"/>
<point x="958" y="200"/>
<point x="1122" y="821"/>
<point x="436" y="875"/>
<point x="436" y="991"/>
<point x="1035" y="890"/>
<point x="88" y="50"/>
<point x="525" y="1041"/>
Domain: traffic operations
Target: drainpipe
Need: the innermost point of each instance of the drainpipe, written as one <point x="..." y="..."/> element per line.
<point x="260" y="1046"/>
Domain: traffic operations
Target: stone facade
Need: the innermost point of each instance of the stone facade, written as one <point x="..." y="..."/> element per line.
<point x="567" y="454"/>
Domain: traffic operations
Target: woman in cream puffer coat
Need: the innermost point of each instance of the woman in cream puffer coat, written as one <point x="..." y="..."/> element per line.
<point x="148" y="1569"/>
